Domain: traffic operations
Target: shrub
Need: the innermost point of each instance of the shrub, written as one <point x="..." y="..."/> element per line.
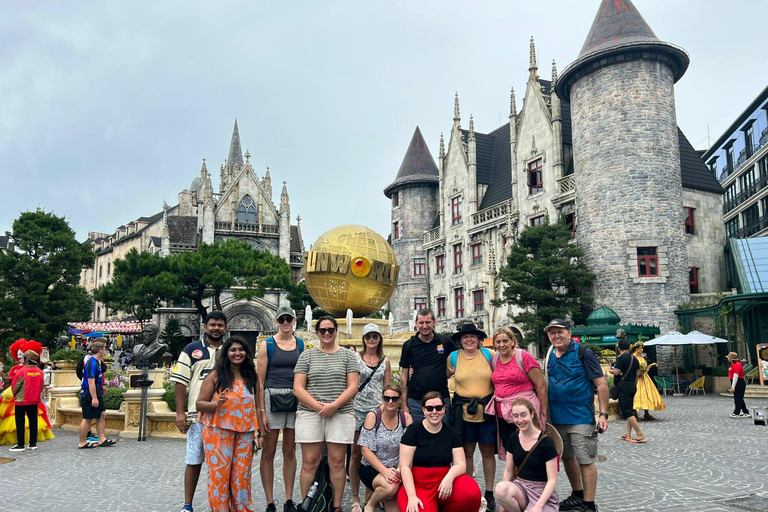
<point x="707" y="370"/>
<point x="113" y="398"/>
<point x="720" y="371"/>
<point x="170" y="398"/>
<point x="72" y="356"/>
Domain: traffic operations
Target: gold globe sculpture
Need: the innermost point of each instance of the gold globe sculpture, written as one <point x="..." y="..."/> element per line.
<point x="350" y="267"/>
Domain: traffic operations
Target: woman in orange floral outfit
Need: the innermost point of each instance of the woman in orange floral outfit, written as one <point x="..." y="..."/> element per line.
<point x="227" y="402"/>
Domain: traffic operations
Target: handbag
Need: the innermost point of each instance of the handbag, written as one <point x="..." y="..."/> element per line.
<point x="283" y="402"/>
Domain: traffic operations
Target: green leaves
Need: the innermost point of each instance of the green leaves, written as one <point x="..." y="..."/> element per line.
<point x="546" y="278"/>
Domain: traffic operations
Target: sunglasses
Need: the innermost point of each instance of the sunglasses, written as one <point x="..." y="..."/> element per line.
<point x="390" y="398"/>
<point x="326" y="330"/>
<point x="285" y="320"/>
<point x="371" y="337"/>
<point x="430" y="408"/>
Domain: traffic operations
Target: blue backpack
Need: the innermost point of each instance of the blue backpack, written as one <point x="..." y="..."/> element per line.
<point x="455" y="356"/>
<point x="271" y="347"/>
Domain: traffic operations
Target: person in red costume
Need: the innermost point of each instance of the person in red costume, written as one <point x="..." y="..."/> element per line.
<point x="8" y="405"/>
<point x="27" y="389"/>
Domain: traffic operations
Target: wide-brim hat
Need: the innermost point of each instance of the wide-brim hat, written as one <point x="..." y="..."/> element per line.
<point x="732" y="356"/>
<point x="469" y="328"/>
<point x="285" y="311"/>
<point x="553" y="434"/>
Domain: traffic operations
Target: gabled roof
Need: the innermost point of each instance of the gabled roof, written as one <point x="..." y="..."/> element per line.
<point x="418" y="165"/>
<point x="295" y="239"/>
<point x="155" y="241"/>
<point x="695" y="173"/>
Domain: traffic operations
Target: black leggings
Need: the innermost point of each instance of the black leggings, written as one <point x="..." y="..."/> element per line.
<point x="31" y="413"/>
<point x="738" y="397"/>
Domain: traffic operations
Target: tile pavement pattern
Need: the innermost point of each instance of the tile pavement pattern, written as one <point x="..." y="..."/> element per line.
<point x="697" y="459"/>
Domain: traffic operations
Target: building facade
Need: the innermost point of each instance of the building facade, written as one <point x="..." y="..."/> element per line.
<point x="616" y="169"/>
<point x="242" y="208"/>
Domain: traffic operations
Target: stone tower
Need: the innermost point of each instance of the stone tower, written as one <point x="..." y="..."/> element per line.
<point x="629" y="196"/>
<point x="414" y="211"/>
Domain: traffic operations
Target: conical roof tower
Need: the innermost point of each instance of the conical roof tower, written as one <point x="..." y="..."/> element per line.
<point x="418" y="165"/>
<point x="235" y="158"/>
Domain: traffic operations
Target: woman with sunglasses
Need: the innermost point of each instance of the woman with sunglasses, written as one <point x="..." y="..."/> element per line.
<point x="433" y="466"/>
<point x="227" y="403"/>
<point x="277" y="359"/>
<point x="375" y="373"/>
<point x="325" y="382"/>
<point x="379" y="443"/>
<point x="530" y="476"/>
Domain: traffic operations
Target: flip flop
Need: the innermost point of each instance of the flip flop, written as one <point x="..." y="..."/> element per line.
<point x="86" y="446"/>
<point x="106" y="442"/>
<point x="639" y="440"/>
<point x="625" y="438"/>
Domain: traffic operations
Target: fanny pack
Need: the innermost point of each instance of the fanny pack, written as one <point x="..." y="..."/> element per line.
<point x="283" y="402"/>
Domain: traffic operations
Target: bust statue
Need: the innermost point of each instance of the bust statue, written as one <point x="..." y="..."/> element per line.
<point x="152" y="350"/>
<point x="62" y="342"/>
<point x="621" y="334"/>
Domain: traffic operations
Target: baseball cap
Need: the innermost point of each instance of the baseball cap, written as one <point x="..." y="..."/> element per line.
<point x="558" y="322"/>
<point x="283" y="311"/>
<point x="371" y="328"/>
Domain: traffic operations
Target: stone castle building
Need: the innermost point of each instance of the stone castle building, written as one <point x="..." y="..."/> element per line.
<point x="242" y="208"/>
<point x="601" y="153"/>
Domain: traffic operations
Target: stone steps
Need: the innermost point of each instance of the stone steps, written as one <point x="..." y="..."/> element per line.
<point x="752" y="391"/>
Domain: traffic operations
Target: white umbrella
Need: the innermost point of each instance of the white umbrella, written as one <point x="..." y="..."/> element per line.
<point x="672" y="338"/>
<point x="699" y="338"/>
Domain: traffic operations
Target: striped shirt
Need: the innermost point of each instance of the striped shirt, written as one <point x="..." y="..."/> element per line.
<point x="195" y="362"/>
<point x="327" y="374"/>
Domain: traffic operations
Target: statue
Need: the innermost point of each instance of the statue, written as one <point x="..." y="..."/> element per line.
<point x="308" y="317"/>
<point x="62" y="342"/>
<point x="391" y="325"/>
<point x="349" y="324"/>
<point x="412" y="321"/>
<point x="621" y="334"/>
<point x="152" y="350"/>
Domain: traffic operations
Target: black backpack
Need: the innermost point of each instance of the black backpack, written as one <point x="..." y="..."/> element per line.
<point x="322" y="500"/>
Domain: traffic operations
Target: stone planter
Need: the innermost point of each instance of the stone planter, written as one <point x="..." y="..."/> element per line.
<point x="715" y="385"/>
<point x="65" y="365"/>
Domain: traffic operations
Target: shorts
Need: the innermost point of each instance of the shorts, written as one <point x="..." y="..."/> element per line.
<point x="578" y="442"/>
<point x="89" y="411"/>
<point x="627" y="392"/>
<point x="483" y="432"/>
<point x="360" y="419"/>
<point x="278" y="420"/>
<point x="195" y="452"/>
<point x="367" y="474"/>
<point x="313" y="428"/>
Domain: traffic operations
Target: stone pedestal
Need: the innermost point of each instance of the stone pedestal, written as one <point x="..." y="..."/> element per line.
<point x="131" y="407"/>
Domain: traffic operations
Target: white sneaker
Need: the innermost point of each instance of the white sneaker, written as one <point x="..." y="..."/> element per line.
<point x="734" y="415"/>
<point x="745" y="415"/>
<point x="32" y="447"/>
<point x="17" y="448"/>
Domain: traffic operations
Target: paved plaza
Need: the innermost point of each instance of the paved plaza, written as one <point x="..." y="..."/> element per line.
<point x="697" y="459"/>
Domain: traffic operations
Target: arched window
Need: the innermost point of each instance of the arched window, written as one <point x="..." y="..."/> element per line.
<point x="246" y="211"/>
<point x="109" y="268"/>
<point x="101" y="267"/>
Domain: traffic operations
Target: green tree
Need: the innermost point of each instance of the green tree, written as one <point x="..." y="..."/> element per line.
<point x="173" y="336"/>
<point x="39" y="280"/>
<point x="299" y="297"/>
<point x="545" y="276"/>
<point x="233" y="264"/>
<point x="141" y="282"/>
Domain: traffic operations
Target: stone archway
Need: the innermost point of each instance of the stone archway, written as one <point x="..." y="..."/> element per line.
<point x="248" y="320"/>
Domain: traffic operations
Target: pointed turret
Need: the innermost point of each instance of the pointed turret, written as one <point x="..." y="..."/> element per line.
<point x="284" y="248"/>
<point x="557" y="125"/>
<point x="418" y="165"/>
<point x="442" y="146"/>
<point x="471" y="127"/>
<point x="512" y="104"/>
<point x="472" y="164"/>
<point x="532" y="66"/>
<point x="235" y="158"/>
<point x="554" y="72"/>
<point x="620" y="33"/>
<point x="284" y="196"/>
<point x="456" y="113"/>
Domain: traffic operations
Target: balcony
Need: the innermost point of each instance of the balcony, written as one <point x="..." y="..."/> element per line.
<point x="432" y="235"/>
<point x="752" y="189"/>
<point x="750" y="229"/>
<point x="497" y="211"/>
<point x="244" y="227"/>
<point x="566" y="190"/>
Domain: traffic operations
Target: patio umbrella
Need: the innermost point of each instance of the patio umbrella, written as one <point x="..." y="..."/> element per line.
<point x="673" y="339"/>
<point x="72" y="330"/>
<point x="699" y="338"/>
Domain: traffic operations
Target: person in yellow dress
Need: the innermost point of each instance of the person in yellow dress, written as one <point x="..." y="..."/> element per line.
<point x="647" y="397"/>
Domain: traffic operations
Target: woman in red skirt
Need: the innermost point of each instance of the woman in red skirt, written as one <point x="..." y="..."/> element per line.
<point x="433" y="466"/>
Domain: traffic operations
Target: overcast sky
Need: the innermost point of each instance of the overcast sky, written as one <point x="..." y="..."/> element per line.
<point x="108" y="108"/>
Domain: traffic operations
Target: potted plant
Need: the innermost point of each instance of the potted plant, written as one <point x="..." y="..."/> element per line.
<point x="66" y="359"/>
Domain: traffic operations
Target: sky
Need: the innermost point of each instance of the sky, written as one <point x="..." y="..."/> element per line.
<point x="108" y="108"/>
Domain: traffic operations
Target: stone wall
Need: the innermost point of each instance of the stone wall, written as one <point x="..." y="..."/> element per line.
<point x="706" y="245"/>
<point x="628" y="188"/>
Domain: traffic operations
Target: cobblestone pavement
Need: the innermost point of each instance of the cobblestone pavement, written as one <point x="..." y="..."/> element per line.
<point x="697" y="459"/>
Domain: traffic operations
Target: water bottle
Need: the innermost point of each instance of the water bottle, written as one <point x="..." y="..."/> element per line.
<point x="308" y="500"/>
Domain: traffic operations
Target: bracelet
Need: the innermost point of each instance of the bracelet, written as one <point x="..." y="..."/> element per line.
<point x="604" y="415"/>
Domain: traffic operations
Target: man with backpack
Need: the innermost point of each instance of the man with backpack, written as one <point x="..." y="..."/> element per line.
<point x="573" y="374"/>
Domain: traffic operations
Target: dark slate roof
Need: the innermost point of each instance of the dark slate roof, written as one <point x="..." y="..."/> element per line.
<point x="156" y="241"/>
<point x="4" y="242"/>
<point x="182" y="229"/>
<point x="235" y="158"/>
<point x="500" y="174"/>
<point x="295" y="240"/>
<point x="546" y="86"/>
<point x="565" y="117"/>
<point x="418" y="165"/>
<point x="484" y="144"/>
<point x="696" y="174"/>
<point x="618" y="28"/>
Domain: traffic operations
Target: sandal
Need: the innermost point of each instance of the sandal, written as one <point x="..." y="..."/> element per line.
<point x="356" y="507"/>
<point x="87" y="445"/>
<point x="625" y="438"/>
<point x="639" y="440"/>
<point x="106" y="442"/>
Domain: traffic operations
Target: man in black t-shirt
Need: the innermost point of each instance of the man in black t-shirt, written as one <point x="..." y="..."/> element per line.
<point x="626" y="370"/>
<point x="426" y="353"/>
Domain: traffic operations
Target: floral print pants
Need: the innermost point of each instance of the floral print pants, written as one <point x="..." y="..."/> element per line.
<point x="229" y="455"/>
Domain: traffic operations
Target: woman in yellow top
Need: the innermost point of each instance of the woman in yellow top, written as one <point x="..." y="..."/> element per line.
<point x="647" y="396"/>
<point x="471" y="369"/>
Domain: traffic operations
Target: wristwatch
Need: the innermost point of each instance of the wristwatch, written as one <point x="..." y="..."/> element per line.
<point x="604" y="415"/>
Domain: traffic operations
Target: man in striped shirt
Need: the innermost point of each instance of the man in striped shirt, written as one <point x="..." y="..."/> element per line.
<point x="195" y="362"/>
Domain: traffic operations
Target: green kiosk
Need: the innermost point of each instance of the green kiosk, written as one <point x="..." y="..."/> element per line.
<point x="601" y="328"/>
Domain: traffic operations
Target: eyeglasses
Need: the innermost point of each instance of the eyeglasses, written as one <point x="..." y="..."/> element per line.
<point x="390" y="398"/>
<point x="326" y="330"/>
<point x="371" y="337"/>
<point x="430" y="408"/>
<point x="285" y="320"/>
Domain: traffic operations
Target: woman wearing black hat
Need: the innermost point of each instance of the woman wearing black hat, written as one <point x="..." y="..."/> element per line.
<point x="471" y="369"/>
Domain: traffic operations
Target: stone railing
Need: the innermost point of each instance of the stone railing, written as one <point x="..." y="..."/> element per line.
<point x="494" y="212"/>
<point x="245" y="227"/>
<point x="567" y="184"/>
<point x="432" y="235"/>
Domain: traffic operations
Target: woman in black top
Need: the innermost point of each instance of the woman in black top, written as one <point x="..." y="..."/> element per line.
<point x="433" y="466"/>
<point x="532" y="487"/>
